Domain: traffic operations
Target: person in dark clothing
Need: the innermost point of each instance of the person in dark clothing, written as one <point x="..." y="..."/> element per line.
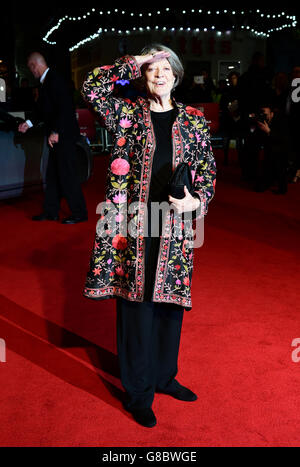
<point x="280" y="92"/>
<point x="293" y="115"/>
<point x="232" y="120"/>
<point x="150" y="276"/>
<point x="270" y="134"/>
<point x="255" y="85"/>
<point x="55" y="108"/>
<point x="201" y="89"/>
<point x="23" y="98"/>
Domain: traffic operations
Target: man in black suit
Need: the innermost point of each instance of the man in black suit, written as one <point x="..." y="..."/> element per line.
<point x="55" y="108"/>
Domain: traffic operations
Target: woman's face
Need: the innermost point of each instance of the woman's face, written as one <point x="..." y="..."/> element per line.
<point x="160" y="78"/>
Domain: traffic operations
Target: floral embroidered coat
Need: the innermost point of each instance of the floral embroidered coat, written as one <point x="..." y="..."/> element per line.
<point x="117" y="265"/>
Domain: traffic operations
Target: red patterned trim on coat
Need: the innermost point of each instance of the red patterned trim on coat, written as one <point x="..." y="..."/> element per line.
<point x="161" y="271"/>
<point x="144" y="196"/>
<point x="174" y="299"/>
<point x="113" y="292"/>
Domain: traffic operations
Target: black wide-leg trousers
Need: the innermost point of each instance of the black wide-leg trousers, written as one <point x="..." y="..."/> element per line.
<point x="148" y="340"/>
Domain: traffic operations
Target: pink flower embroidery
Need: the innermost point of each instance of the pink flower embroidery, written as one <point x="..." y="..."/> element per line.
<point x="198" y="137"/>
<point x="120" y="199"/>
<point x="92" y="96"/>
<point x="120" y="167"/>
<point x="125" y="123"/>
<point x="119" y="218"/>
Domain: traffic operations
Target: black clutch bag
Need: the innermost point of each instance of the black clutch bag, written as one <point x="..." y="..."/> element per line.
<point x="181" y="177"/>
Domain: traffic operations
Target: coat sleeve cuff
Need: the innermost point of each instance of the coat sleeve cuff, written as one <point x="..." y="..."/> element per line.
<point x="203" y="208"/>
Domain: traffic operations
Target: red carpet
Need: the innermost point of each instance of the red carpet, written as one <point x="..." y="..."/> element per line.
<point x="60" y="386"/>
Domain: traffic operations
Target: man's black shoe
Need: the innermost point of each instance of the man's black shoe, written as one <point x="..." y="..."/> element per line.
<point x="45" y="217"/>
<point x="144" y="417"/>
<point x="74" y="220"/>
<point x="181" y="393"/>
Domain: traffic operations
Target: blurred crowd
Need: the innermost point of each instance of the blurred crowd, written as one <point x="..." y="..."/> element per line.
<point x="257" y="111"/>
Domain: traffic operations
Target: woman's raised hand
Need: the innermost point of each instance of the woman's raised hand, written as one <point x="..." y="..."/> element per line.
<point x="151" y="58"/>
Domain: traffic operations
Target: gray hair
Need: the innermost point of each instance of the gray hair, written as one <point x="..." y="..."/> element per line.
<point x="174" y="60"/>
<point x="37" y="58"/>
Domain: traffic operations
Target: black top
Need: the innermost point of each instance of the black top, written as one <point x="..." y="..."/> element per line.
<point x="162" y="159"/>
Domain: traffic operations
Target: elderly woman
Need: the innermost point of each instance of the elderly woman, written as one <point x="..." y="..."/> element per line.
<point x="149" y="275"/>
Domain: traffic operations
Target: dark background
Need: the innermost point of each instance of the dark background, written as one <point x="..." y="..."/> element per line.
<point x="22" y="26"/>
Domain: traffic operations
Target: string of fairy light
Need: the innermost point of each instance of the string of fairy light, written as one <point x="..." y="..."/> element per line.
<point x="140" y="18"/>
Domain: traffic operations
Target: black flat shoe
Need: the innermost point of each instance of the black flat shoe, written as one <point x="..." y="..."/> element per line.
<point x="181" y="393"/>
<point x="45" y="217"/>
<point x="144" y="417"/>
<point x="74" y="220"/>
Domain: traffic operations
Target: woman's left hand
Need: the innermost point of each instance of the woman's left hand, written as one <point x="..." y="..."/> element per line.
<point x="187" y="204"/>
